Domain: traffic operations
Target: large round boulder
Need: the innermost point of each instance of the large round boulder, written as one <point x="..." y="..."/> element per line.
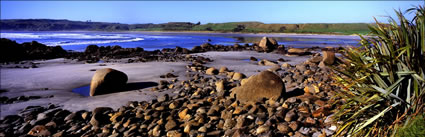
<point x="268" y="44"/>
<point x="263" y="85"/>
<point x="106" y="81"/>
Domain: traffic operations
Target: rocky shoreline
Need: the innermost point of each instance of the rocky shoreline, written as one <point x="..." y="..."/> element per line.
<point x="202" y="102"/>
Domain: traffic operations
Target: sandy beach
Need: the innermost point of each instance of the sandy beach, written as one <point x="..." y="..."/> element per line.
<point x="61" y="76"/>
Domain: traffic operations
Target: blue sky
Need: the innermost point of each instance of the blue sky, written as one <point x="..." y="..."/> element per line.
<point x="206" y="11"/>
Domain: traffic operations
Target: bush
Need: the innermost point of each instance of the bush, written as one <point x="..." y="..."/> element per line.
<point x="383" y="80"/>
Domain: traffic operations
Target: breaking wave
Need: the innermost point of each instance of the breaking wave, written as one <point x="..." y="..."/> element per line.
<point x="94" y="42"/>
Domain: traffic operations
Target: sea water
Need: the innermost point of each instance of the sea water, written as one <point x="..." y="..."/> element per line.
<point x="78" y="41"/>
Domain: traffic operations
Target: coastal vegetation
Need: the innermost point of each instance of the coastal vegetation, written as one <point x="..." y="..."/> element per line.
<point x="241" y="27"/>
<point x="383" y="80"/>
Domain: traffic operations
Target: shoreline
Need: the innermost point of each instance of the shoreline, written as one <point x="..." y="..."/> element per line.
<point x="199" y="32"/>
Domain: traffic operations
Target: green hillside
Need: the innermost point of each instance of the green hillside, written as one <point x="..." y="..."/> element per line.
<point x="242" y="27"/>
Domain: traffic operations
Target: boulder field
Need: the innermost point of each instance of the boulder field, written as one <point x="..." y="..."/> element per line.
<point x="290" y="100"/>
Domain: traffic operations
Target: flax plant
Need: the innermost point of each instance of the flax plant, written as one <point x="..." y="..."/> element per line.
<point x="383" y="83"/>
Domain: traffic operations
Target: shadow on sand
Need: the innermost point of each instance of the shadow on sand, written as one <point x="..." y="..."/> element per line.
<point x="85" y="90"/>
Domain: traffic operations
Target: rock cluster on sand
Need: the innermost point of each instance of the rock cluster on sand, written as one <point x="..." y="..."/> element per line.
<point x="264" y="85"/>
<point x="201" y="104"/>
<point x="12" y="51"/>
<point x="107" y="80"/>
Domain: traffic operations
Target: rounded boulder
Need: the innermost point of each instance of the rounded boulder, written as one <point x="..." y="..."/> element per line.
<point x="263" y="85"/>
<point x="106" y="81"/>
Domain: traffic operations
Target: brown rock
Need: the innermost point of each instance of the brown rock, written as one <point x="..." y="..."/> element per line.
<point x="170" y="125"/>
<point x="187" y="128"/>
<point x="212" y="71"/>
<point x="238" y="76"/>
<point x="266" y="62"/>
<point x="294" y="125"/>
<point x="263" y="85"/>
<point x="183" y="113"/>
<point x="286" y="65"/>
<point x="107" y="80"/>
<point x="310" y="121"/>
<point x="297" y="51"/>
<point x="283" y="128"/>
<point x="291" y="115"/>
<point x="328" y="56"/>
<point x="223" y="69"/>
<point x="39" y="130"/>
<point x="219" y="86"/>
<point x="253" y="58"/>
<point x="262" y="129"/>
<point x="268" y="44"/>
<point x="174" y="133"/>
<point x="228" y="124"/>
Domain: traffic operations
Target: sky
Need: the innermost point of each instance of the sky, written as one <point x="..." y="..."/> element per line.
<point x="132" y="12"/>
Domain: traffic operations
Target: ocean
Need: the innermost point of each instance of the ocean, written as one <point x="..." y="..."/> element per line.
<point x="79" y="40"/>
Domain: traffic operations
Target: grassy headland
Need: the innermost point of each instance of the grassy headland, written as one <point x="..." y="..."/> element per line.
<point x="239" y="27"/>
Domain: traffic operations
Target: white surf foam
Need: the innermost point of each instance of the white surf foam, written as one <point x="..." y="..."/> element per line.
<point x="19" y="35"/>
<point x="61" y="35"/>
<point x="68" y="43"/>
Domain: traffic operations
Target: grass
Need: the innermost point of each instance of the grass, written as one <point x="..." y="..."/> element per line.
<point x="258" y="27"/>
<point x="383" y="81"/>
<point x="416" y="128"/>
<point x="149" y="29"/>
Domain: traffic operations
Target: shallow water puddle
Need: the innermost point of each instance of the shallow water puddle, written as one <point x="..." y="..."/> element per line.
<point x="84" y="90"/>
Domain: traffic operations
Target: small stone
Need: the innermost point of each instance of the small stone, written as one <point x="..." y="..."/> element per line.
<point x="283" y="128"/>
<point x="183" y="113"/>
<point x="240" y="121"/>
<point x="298" y="134"/>
<point x="39" y="130"/>
<point x="223" y="69"/>
<point x="262" y="129"/>
<point x="187" y="128"/>
<point x="238" y="110"/>
<point x="172" y="106"/>
<point x="202" y="129"/>
<point x="286" y="65"/>
<point x="238" y="76"/>
<point x="228" y="124"/>
<point x="310" y="121"/>
<point x="85" y="115"/>
<point x="170" y="125"/>
<point x="219" y="86"/>
<point x="163" y="98"/>
<point x="156" y="131"/>
<point x="294" y="125"/>
<point x="70" y="117"/>
<point x="253" y="58"/>
<point x="174" y="133"/>
<point x="290" y="116"/>
<point x="114" y="118"/>
<point x="320" y="103"/>
<point x="303" y="109"/>
<point x="211" y="71"/>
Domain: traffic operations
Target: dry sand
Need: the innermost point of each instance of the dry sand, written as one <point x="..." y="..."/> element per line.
<point x="61" y="78"/>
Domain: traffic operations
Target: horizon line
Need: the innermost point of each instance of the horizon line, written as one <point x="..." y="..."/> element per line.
<point x="187" y="22"/>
